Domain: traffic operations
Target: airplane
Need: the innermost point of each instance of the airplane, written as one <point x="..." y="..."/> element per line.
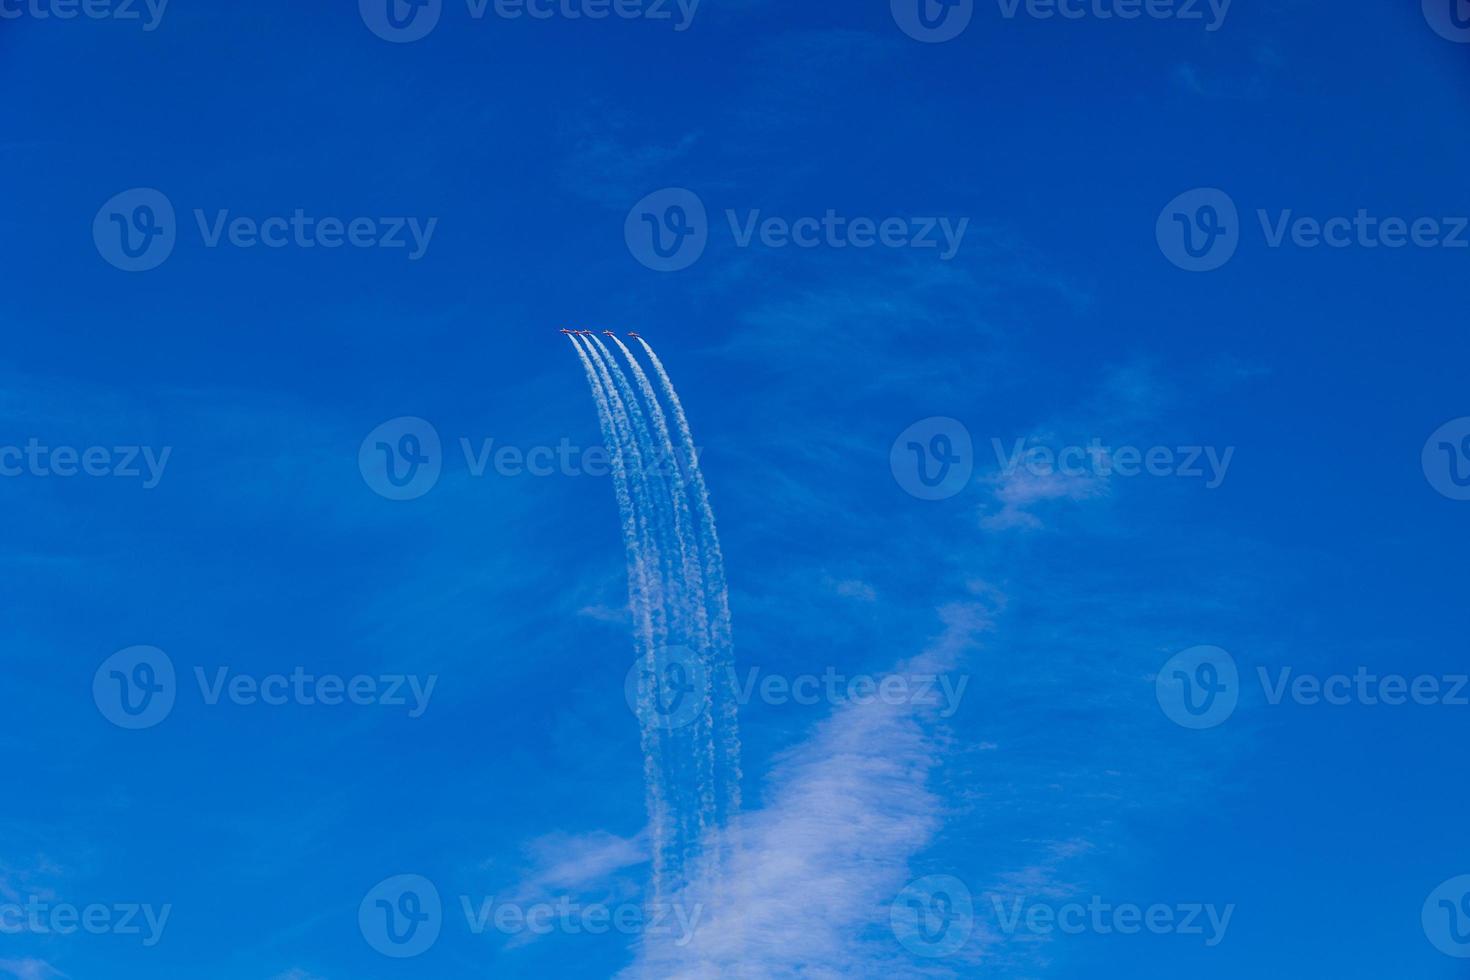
<point x="609" y="333"/>
<point x="635" y="336"/>
<point x="568" y="332"/>
<point x="585" y="333"/>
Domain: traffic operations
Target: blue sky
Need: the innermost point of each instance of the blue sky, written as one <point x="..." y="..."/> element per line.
<point x="522" y="151"/>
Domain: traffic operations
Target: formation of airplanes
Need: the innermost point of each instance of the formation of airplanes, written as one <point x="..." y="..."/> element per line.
<point x="588" y="333"/>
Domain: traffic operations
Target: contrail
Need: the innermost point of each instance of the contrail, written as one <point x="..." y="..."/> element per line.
<point x="641" y="600"/>
<point x="714" y="569"/>
<point x="687" y="588"/>
<point x="679" y="746"/>
<point x="679" y="598"/>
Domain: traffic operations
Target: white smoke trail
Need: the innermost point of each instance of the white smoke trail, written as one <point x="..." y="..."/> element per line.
<point x="714" y="575"/>
<point x="686" y="589"/>
<point x="712" y="804"/>
<point x="679" y="746"/>
<point x="641" y="599"/>
<point x="677" y="583"/>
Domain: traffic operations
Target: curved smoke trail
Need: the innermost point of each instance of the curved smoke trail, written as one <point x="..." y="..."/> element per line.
<point x="724" y="663"/>
<point x="642" y="601"/>
<point x="677" y="588"/>
<point x="687" y="622"/>
<point x="680" y="745"/>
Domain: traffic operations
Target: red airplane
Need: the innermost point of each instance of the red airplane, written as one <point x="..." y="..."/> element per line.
<point x="568" y="332"/>
<point x="635" y="336"/>
<point x="585" y="333"/>
<point x="608" y="333"/>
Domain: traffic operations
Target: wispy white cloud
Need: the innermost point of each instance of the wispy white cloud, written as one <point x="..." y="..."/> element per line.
<point x="808" y="887"/>
<point x="1019" y="490"/>
<point x="856" y="589"/>
<point x="1255" y="82"/>
<point x="29" y="969"/>
<point x="566" y="863"/>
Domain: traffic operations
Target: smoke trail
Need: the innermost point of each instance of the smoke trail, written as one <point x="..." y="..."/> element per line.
<point x="687" y="752"/>
<point x="641" y="599"/>
<point x="688" y="620"/>
<point x="714" y="796"/>
<point x="714" y="573"/>
<point x="682" y="617"/>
